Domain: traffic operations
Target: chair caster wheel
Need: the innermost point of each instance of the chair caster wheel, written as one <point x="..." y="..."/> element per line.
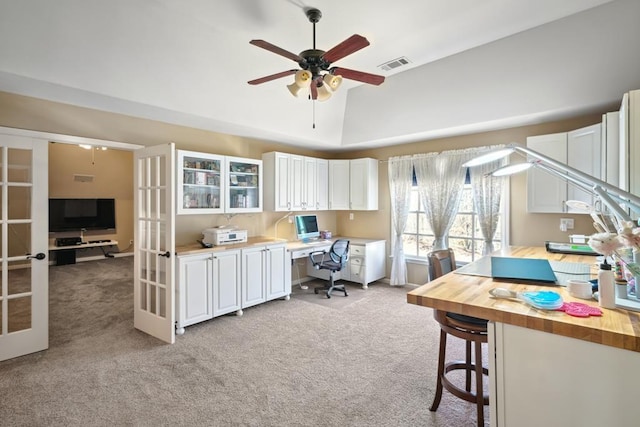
<point x="315" y="291"/>
<point x="328" y="296"/>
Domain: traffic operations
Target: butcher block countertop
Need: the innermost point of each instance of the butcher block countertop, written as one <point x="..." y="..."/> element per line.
<point x="469" y="294"/>
<point x="196" y="248"/>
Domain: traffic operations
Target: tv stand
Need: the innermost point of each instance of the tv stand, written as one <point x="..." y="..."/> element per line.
<point x="67" y="254"/>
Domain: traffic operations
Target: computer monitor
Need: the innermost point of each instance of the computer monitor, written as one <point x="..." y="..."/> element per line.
<point x="307" y="227"/>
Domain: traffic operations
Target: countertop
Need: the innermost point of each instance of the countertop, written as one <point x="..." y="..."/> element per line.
<point x="469" y="295"/>
<point x="196" y="248"/>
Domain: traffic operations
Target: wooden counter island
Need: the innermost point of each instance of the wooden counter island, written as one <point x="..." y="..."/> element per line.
<point x="547" y="367"/>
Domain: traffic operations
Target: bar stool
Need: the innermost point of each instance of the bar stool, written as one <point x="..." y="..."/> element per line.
<point x="472" y="330"/>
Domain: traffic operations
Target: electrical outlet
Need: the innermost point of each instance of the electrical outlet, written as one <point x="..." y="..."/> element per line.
<point x="566" y="224"/>
<point x="131" y="242"/>
<point x="351" y="216"/>
<point x="290" y="219"/>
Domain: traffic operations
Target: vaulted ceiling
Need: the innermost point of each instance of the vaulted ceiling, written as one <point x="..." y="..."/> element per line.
<point x="472" y="65"/>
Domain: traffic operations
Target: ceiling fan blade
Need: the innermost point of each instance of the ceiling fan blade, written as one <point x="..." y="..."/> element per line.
<point x="347" y="47"/>
<point x="271" y="77"/>
<point x="275" y="49"/>
<point x="361" y="76"/>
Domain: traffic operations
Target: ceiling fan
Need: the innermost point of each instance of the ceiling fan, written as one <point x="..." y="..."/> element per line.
<point x="317" y="73"/>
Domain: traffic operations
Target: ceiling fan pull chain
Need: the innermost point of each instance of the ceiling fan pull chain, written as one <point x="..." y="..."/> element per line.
<point x="313" y="102"/>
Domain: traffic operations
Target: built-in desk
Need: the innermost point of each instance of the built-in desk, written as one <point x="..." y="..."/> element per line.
<point x="546" y="367"/>
<point x="67" y="254"/>
<point x="366" y="259"/>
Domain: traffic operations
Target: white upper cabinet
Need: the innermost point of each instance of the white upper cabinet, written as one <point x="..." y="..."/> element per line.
<point x="339" y="185"/>
<point x="309" y="183"/>
<point x="244" y="185"/>
<point x="630" y="142"/>
<point x="200" y="179"/>
<point x="580" y="149"/>
<point x="584" y="153"/>
<point x="363" y="184"/>
<point x="545" y="192"/>
<point x="353" y="184"/>
<point x="297" y="187"/>
<point x="322" y="184"/>
<point x="611" y="148"/>
<point x="294" y="182"/>
<point x="214" y="184"/>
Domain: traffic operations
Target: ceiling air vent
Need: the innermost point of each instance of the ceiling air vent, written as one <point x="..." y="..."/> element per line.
<point x="83" y="178"/>
<point x="395" y="63"/>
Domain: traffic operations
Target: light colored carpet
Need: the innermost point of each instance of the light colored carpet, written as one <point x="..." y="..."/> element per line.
<point x="365" y="360"/>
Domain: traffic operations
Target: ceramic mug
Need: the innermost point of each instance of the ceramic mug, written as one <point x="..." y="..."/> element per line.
<point x="579" y="288"/>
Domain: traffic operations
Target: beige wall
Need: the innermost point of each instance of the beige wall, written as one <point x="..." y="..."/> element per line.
<point x="526" y="229"/>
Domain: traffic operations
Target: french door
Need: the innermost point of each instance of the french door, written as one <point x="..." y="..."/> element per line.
<point x="154" y="261"/>
<point x="24" y="269"/>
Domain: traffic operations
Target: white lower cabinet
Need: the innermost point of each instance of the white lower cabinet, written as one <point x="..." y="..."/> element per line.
<point x="266" y="274"/>
<point x="538" y="378"/>
<point x="214" y="283"/>
<point x="194" y="290"/>
<point x="278" y="272"/>
<point x="226" y="282"/>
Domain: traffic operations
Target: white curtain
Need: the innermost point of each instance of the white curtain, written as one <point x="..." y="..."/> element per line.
<point x="487" y="194"/>
<point x="400" y="182"/>
<point x="440" y="183"/>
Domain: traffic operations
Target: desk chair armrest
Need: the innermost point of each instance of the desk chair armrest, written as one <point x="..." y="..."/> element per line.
<point x="313" y="256"/>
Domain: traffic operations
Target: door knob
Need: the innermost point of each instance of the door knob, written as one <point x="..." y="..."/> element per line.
<point x="166" y="254"/>
<point x="38" y="256"/>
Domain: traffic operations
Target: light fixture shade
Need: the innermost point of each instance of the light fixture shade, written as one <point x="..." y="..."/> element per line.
<point x="323" y="93"/>
<point x="294" y="89"/>
<point x="303" y="78"/>
<point x="332" y="81"/>
<point x="488" y="157"/>
<point x="512" y="169"/>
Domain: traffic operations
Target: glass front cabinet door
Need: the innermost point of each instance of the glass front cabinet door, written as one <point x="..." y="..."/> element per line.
<point x="244" y="185"/>
<point x="200" y="182"/>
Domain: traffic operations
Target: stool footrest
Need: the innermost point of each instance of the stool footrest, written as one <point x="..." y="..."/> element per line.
<point x="457" y="391"/>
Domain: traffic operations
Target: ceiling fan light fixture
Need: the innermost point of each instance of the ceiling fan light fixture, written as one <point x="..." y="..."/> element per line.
<point x="303" y="78"/>
<point x="332" y="81"/>
<point x="323" y="93"/>
<point x="295" y="89"/>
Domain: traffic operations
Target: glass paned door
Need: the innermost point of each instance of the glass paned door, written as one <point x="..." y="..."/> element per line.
<point x="244" y="185"/>
<point x="24" y="287"/>
<point x="154" y="284"/>
<point x="200" y="181"/>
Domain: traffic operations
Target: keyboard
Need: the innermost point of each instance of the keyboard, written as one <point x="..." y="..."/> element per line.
<point x="318" y="243"/>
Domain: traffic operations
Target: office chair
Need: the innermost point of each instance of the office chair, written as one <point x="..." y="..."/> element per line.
<point x="471" y="329"/>
<point x="334" y="260"/>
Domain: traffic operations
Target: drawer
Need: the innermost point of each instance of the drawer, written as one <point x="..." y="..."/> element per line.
<point x="357" y="250"/>
<point x="356" y="262"/>
<point x="304" y="253"/>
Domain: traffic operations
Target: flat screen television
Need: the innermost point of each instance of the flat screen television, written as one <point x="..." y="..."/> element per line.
<point x="307" y="227"/>
<point x="81" y="214"/>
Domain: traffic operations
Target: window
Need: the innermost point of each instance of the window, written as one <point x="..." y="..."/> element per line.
<point x="465" y="237"/>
